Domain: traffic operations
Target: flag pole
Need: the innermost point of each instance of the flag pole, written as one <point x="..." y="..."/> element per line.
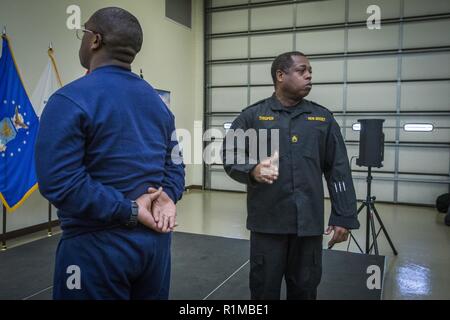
<point x="4" y="230"/>
<point x="53" y="60"/>
<point x="49" y="227"/>
<point x="4" y="208"/>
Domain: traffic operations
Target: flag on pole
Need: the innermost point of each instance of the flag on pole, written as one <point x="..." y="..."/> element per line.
<point x="48" y="84"/>
<point x="18" y="131"/>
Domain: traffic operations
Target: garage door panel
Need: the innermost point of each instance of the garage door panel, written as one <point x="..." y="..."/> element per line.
<point x="229" y="21"/>
<point x="226" y="74"/>
<point x="228" y="99"/>
<point x="417" y="7"/>
<point x="279" y="43"/>
<point x="260" y="73"/>
<point x="328" y="70"/>
<point x="424" y="160"/>
<point x="272" y="17"/>
<point x="358" y="9"/>
<point x="425" y="66"/>
<point x="426" y="34"/>
<point x="372" y="68"/>
<point x="372" y="97"/>
<point x="420" y="193"/>
<point x="364" y="39"/>
<point x="330" y="96"/>
<point x="321" y="12"/>
<point x="316" y="42"/>
<point x="426" y="95"/>
<point x="228" y="48"/>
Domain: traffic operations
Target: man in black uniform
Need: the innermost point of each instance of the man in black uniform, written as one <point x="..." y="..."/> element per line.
<point x="285" y="202"/>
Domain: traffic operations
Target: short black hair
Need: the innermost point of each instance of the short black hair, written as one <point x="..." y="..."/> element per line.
<point x="121" y="31"/>
<point x="283" y="62"/>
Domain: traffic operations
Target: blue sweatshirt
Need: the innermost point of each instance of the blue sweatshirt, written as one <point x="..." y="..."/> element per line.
<point x="103" y="141"/>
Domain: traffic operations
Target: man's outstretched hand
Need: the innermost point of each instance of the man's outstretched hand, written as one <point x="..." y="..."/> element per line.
<point x="145" y="215"/>
<point x="267" y="171"/>
<point x="164" y="211"/>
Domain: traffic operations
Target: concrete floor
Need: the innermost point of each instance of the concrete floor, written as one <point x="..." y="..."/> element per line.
<point x="420" y="271"/>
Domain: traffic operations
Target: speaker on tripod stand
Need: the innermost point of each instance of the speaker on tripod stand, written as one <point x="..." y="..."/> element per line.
<point x="371" y="154"/>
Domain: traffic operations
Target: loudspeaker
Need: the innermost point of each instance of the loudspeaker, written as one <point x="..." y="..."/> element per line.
<point x="371" y="143"/>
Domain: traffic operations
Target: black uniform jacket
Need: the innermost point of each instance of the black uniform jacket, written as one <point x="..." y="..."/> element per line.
<point x="310" y="146"/>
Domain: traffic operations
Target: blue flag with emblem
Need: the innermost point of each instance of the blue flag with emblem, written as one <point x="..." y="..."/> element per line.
<point x="18" y="131"/>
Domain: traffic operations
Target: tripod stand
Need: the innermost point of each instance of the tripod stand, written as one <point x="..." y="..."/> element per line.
<point x="369" y="204"/>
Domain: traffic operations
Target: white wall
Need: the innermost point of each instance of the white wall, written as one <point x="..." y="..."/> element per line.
<point x="171" y="57"/>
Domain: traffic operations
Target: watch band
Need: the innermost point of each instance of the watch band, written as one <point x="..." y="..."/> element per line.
<point x="133" y="221"/>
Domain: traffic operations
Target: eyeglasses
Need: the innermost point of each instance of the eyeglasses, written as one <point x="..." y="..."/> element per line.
<point x="80" y="32"/>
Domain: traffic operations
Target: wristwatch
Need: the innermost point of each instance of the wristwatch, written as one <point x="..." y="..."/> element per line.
<point x="132" y="222"/>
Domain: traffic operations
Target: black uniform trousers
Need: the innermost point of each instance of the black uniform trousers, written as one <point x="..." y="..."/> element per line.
<point x="298" y="259"/>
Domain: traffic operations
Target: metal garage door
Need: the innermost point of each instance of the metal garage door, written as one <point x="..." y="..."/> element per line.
<point x="400" y="72"/>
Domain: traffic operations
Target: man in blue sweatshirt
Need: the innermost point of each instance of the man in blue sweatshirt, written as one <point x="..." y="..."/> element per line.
<point x="104" y="148"/>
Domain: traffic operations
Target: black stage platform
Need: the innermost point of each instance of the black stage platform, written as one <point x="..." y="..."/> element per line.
<point x="203" y="266"/>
